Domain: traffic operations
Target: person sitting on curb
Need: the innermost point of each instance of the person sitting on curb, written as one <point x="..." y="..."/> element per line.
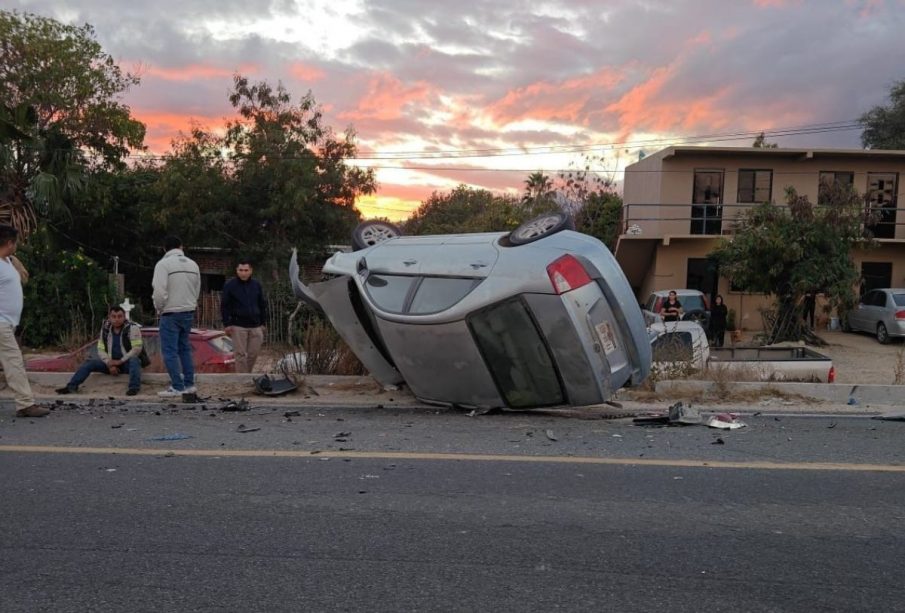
<point x="118" y="349"/>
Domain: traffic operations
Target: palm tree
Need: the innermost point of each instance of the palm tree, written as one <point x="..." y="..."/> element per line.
<point x="538" y="186"/>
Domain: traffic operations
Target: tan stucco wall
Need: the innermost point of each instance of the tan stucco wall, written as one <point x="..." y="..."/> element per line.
<point x="676" y="183"/>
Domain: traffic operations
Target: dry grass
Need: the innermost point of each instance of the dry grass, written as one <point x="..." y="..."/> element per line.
<point x="325" y="352"/>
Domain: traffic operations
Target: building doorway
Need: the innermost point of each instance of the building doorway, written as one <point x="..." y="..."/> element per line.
<point x="875" y="275"/>
<point x="703" y="274"/>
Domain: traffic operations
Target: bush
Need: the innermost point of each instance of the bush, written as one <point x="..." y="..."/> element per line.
<point x="66" y="297"/>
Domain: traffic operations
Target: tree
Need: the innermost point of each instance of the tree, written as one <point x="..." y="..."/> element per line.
<point x="61" y="114"/>
<point x="788" y="251"/>
<point x="761" y="142"/>
<point x="465" y="209"/>
<point x="601" y="216"/>
<point x="884" y="126"/>
<point x="277" y="179"/>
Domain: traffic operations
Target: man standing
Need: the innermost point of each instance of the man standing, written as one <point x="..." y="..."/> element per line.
<point x="176" y="284"/>
<point x="11" y="301"/>
<point x="118" y="349"/>
<point x="243" y="309"/>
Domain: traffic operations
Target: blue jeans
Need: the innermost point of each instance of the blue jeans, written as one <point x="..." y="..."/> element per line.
<point x="176" y="348"/>
<point x="132" y="366"/>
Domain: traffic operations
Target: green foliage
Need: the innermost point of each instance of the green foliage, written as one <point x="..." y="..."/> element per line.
<point x="601" y="216"/>
<point x="59" y="93"/>
<point x="277" y="179"/>
<point x="67" y="295"/>
<point x="788" y="251"/>
<point x="884" y="126"/>
<point x="761" y="142"/>
<point x="466" y="209"/>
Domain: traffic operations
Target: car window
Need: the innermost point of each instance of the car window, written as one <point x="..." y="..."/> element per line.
<point x="874" y="298"/>
<point x="438" y="293"/>
<point x="898" y="299"/>
<point x="389" y="291"/>
<point x="673" y="347"/>
<point x="692" y="302"/>
<point x="221" y="344"/>
<point x="516" y="355"/>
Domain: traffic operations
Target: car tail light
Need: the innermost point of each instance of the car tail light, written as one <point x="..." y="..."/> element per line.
<point x="900" y="314"/>
<point x="831" y="377"/>
<point x="567" y="273"/>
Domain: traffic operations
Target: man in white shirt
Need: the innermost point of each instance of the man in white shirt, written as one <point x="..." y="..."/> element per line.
<point x="176" y="284"/>
<point x="11" y="301"/>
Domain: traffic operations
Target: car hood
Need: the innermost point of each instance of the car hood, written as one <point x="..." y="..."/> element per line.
<point x="467" y="255"/>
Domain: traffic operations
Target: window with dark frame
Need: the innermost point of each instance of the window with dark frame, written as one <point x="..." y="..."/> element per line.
<point x="707" y="196"/>
<point x="754" y="185"/>
<point x="881" y="194"/>
<point x="829" y="178"/>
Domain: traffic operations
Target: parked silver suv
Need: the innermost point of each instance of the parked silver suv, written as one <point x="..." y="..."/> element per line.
<point x="880" y="312"/>
<point x="537" y="317"/>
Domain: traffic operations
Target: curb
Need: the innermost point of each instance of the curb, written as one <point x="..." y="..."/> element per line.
<point x="837" y="393"/>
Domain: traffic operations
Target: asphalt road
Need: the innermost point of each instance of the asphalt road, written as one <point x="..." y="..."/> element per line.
<point x="540" y="512"/>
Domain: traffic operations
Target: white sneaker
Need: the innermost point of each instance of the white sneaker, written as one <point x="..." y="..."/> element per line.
<point x="191" y="390"/>
<point x="170" y="392"/>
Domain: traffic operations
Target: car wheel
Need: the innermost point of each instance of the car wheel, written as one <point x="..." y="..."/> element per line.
<point x="882" y="334"/>
<point x="540" y="227"/>
<point x="369" y="233"/>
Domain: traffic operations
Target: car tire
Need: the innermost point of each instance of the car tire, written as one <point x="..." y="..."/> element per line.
<point x="369" y="233"/>
<point x="540" y="227"/>
<point x="882" y="334"/>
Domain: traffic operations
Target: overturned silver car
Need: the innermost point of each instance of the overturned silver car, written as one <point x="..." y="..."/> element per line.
<point x="540" y="316"/>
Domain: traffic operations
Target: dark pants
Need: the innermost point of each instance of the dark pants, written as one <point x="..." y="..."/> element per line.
<point x="131" y="366"/>
<point x="176" y="348"/>
<point x="717" y="337"/>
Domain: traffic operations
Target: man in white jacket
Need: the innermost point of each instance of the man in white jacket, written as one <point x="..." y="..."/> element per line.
<point x="177" y="283"/>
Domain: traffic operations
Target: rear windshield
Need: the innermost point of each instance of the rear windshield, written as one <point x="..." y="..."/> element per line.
<point x="516" y="355"/>
<point x="673" y="347"/>
<point x="692" y="303"/>
<point x="899" y="299"/>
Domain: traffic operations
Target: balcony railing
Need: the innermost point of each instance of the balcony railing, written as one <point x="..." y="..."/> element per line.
<point x="659" y="220"/>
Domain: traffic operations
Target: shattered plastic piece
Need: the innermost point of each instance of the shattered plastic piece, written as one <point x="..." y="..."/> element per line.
<point x="550" y="435"/>
<point x="292" y="414"/>
<point x="725" y="421"/>
<point x="680" y="413"/>
<point x="234" y="406"/>
<point x="852" y="401"/>
<point x="718" y="441"/>
<point x="244" y="430"/>
<point x="170" y="437"/>
<point x="274" y="387"/>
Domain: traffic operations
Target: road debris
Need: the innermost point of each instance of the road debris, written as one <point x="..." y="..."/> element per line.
<point x="242" y="429"/>
<point x="550" y="435"/>
<point x="235" y="406"/>
<point x="725" y="421"/>
<point x="268" y="386"/>
<point x="680" y="414"/>
<point x="171" y="437"/>
<point x="897" y="416"/>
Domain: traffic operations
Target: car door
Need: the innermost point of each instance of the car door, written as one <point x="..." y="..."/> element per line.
<point x="859" y="317"/>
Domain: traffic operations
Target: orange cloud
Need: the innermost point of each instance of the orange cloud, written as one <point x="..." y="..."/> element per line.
<point x="564" y="101"/>
<point x="163" y="127"/>
<point x="386" y="99"/>
<point x="393" y="204"/>
<point x="305" y="72"/>
<point x="197" y="71"/>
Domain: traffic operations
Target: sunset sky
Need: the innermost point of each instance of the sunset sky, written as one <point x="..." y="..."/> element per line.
<point x="430" y="85"/>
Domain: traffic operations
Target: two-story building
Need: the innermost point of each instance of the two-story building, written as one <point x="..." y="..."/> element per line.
<point x="679" y="203"/>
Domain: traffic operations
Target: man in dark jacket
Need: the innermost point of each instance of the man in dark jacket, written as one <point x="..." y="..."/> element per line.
<point x="243" y="308"/>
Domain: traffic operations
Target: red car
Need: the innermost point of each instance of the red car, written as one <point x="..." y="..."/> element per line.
<point x="212" y="352"/>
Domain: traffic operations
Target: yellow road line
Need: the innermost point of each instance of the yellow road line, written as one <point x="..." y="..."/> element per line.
<point x="468" y="457"/>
